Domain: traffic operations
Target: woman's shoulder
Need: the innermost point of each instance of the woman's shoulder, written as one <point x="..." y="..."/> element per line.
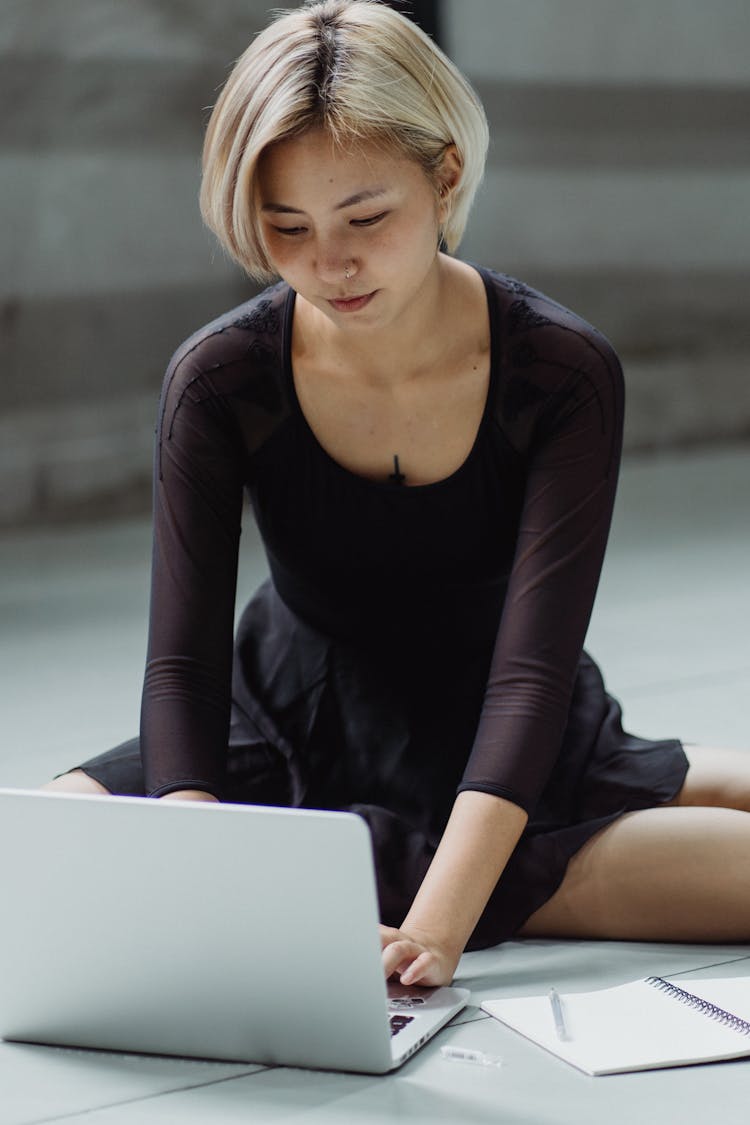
<point x="533" y="325"/>
<point x="254" y="326"/>
<point x="240" y="352"/>
<point x="528" y="314"/>
<point x="547" y="357"/>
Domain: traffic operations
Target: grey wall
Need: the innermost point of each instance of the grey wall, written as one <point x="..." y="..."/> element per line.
<point x="105" y="263"/>
<point x="618" y="180"/>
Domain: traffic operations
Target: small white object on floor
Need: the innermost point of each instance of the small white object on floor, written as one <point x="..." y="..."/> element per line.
<point x="465" y="1054"/>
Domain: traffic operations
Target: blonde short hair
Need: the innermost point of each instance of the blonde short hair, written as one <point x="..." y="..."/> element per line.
<point x="363" y="72"/>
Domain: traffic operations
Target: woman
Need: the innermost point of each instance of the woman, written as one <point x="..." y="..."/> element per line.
<point x="431" y="450"/>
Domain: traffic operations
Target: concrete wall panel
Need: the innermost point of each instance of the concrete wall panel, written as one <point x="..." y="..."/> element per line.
<point x="613" y="219"/>
<point x="602" y="41"/>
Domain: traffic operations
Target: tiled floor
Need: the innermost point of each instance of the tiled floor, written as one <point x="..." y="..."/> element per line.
<point x="670" y="629"/>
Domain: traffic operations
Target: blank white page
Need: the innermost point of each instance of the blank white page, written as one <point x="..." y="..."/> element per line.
<point x="633" y="1026"/>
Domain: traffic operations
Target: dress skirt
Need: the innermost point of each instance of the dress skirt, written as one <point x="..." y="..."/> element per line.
<point x="315" y="724"/>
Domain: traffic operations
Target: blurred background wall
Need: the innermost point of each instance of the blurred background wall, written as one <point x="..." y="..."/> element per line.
<point x="619" y="181"/>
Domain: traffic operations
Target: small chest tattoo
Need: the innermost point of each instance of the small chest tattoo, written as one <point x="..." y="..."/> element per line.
<point x="396" y="476"/>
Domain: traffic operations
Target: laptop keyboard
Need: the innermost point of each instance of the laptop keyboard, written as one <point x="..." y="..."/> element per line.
<point x="398" y="1005"/>
<point x="398" y="1023"/>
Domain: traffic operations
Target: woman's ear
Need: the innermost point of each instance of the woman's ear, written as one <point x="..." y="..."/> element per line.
<point x="448" y="178"/>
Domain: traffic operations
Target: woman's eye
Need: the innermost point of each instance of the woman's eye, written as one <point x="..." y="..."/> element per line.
<point x="369" y="222"/>
<point x="294" y="232"/>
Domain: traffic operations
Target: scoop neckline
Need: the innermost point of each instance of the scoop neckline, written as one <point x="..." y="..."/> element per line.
<point x="391" y="489"/>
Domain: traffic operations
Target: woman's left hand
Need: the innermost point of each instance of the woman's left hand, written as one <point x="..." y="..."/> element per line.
<point x="416" y="958"/>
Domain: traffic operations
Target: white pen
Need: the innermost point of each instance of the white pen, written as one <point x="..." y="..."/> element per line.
<point x="558" y="1014"/>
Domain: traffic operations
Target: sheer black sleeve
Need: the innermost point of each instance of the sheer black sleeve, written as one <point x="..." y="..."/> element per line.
<point x="561" y="407"/>
<point x="198" y="484"/>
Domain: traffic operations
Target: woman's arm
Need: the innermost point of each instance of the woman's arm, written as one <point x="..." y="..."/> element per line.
<point x="197" y="515"/>
<point x="570" y="442"/>
<point x="478" y="840"/>
<point x="562" y="411"/>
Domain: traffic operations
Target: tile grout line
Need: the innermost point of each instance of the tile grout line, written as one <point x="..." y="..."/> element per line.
<point x="147" y="1097"/>
<point x="713" y="965"/>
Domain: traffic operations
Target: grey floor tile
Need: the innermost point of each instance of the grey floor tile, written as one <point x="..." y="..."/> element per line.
<point x="700" y="711"/>
<point x="529" y="1086"/>
<point x="281" y="1095"/>
<point x="519" y="968"/>
<point x="670" y="623"/>
<point x="73" y="620"/>
<point x="40" y="1084"/>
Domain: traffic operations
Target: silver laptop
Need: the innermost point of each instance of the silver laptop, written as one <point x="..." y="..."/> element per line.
<point x="232" y="932"/>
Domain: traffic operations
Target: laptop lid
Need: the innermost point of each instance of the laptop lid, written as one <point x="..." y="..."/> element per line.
<point x="217" y="931"/>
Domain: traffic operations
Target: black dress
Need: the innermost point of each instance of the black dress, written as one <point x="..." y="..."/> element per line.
<point x="412" y="642"/>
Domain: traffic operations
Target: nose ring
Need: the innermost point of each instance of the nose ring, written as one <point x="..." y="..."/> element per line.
<point x="347" y="272"/>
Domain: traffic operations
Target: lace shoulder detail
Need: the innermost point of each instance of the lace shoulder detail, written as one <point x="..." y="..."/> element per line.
<point x="551" y="363"/>
<point x="263" y="319"/>
<point x="234" y="363"/>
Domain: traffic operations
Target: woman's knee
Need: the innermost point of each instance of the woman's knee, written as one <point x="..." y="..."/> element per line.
<point x="75" y="782"/>
<point x="717" y="777"/>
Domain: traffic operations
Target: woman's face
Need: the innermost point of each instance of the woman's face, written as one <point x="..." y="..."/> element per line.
<point x="371" y="213"/>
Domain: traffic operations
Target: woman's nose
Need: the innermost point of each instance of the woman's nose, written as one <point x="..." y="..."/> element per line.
<point x="331" y="262"/>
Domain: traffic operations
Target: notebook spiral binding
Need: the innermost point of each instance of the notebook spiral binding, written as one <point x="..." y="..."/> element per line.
<point x="704" y="1006"/>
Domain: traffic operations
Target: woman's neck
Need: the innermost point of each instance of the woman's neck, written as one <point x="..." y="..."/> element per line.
<point x="414" y="342"/>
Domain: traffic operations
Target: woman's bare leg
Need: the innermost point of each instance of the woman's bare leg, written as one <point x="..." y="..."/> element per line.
<point x="717" y="777"/>
<point x="663" y="874"/>
<point x="75" y="782"/>
<point x="679" y="872"/>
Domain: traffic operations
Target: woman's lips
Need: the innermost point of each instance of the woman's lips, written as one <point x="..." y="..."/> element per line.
<point x="352" y="304"/>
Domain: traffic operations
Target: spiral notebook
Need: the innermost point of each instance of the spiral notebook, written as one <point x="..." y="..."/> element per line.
<point x="643" y="1025"/>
